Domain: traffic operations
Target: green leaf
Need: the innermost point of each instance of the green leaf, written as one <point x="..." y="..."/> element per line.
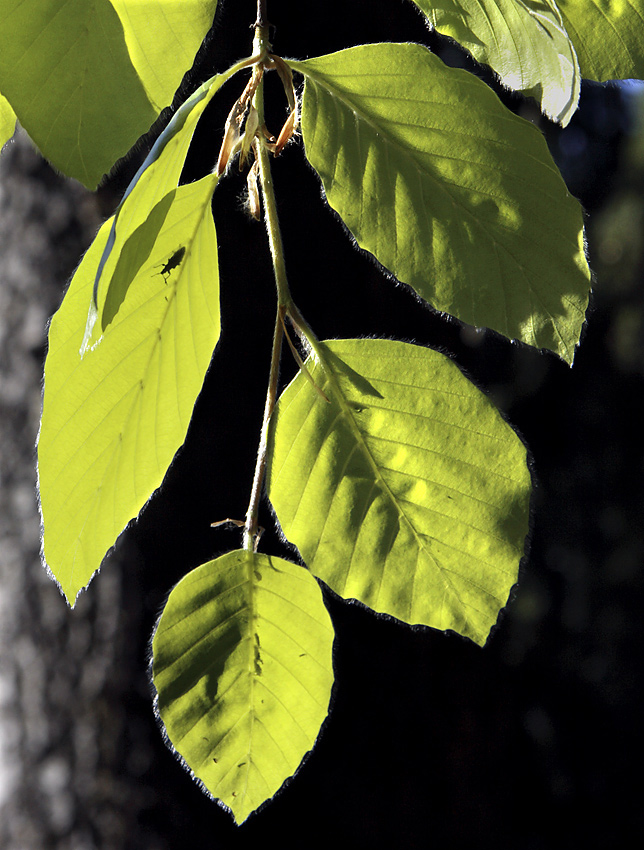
<point x="407" y="491"/>
<point x="450" y="191"/>
<point x="113" y="420"/>
<point x="608" y="36"/>
<point x="7" y="121"/>
<point x="243" y="674"/>
<point x="86" y="79"/>
<point x="524" y="41"/>
<point x="143" y="208"/>
<point x="162" y="38"/>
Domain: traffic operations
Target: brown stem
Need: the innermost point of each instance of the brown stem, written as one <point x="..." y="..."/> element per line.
<point x="262" y="19"/>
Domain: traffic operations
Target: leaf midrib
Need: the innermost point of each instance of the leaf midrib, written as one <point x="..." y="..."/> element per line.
<point x="338" y="394"/>
<point x="409" y="153"/>
<point x="136" y="400"/>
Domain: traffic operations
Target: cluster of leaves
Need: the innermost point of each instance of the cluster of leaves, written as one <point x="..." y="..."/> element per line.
<point x="396" y="478"/>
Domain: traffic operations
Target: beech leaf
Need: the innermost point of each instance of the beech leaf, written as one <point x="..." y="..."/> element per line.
<point x="608" y="36"/>
<point x="243" y="672"/>
<point x="407" y="491"/>
<point x="449" y="190"/>
<point x="524" y="41"/>
<point x="113" y="420"/>
<point x="86" y="78"/>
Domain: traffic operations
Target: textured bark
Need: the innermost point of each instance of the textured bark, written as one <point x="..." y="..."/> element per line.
<point x="64" y="768"/>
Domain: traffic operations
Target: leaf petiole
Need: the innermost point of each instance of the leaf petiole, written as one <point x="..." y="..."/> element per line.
<point x="302" y="366"/>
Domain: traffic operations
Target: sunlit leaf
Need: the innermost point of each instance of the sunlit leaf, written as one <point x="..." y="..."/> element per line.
<point x="113" y="420"/>
<point x="407" y="491"/>
<point x="142" y="211"/>
<point x="450" y="191"/>
<point x="86" y="79"/>
<point x="524" y="41"/>
<point x="7" y="121"/>
<point x="242" y="669"/>
<point x="162" y="38"/>
<point x="608" y="36"/>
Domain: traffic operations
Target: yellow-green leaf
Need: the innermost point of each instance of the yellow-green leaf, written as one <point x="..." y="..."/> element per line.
<point x="7" y="121"/>
<point x="162" y="38"/>
<point x="243" y="672"/>
<point x="449" y="190"/>
<point x="87" y="79"/>
<point x="608" y="36"/>
<point x="141" y="213"/>
<point x="524" y="41"/>
<point x="113" y="420"/>
<point x="407" y="491"/>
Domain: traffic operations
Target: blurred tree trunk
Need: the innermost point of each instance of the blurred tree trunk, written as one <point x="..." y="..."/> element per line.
<point x="64" y="679"/>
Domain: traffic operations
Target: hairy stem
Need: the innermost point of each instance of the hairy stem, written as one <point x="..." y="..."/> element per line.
<point x="283" y="297"/>
<point x="270" y="213"/>
<point x="304" y="331"/>
<point x="285" y="304"/>
<point x="250" y="528"/>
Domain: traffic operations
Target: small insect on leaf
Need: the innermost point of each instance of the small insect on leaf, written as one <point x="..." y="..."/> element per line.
<point x="172" y="263"/>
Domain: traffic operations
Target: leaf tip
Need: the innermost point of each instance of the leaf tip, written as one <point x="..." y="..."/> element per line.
<point x="66" y="591"/>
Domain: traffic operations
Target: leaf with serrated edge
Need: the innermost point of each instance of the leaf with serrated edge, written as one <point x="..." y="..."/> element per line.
<point x="608" y="36"/>
<point x="243" y="672"/>
<point x="524" y="41"/>
<point x="113" y="421"/>
<point x="407" y="491"/>
<point x="85" y="78"/>
<point x="450" y="191"/>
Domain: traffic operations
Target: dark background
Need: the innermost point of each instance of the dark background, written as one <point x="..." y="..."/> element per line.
<point x="531" y="742"/>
